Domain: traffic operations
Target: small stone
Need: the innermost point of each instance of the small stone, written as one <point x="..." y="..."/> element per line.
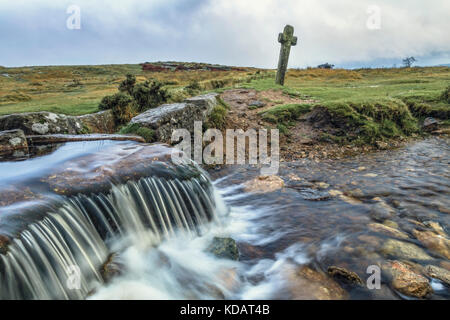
<point x="430" y="124"/>
<point x="381" y="211"/>
<point x="381" y="145"/>
<point x="436" y="227"/>
<point x="257" y="104"/>
<point x="406" y="280"/>
<point x="391" y="224"/>
<point x="308" y="284"/>
<point x="343" y="275"/>
<point x="434" y="242"/>
<point x="404" y="250"/>
<point x="381" y="228"/>
<point x="264" y="184"/>
<point x="224" y="248"/>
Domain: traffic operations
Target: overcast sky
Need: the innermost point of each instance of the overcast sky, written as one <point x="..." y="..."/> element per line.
<point x="232" y="32"/>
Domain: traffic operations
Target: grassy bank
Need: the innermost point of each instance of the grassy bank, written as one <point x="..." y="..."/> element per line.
<point x="77" y="90"/>
<point x="365" y="104"/>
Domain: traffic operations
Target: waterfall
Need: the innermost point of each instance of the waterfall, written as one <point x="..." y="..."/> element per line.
<point x="60" y="256"/>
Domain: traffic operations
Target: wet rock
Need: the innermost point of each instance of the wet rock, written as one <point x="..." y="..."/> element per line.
<point x="4" y="242"/>
<point x="168" y="117"/>
<point x="264" y="184"/>
<point x="391" y="224"/>
<point x="381" y="211"/>
<point x="344" y="275"/>
<point x="33" y="123"/>
<point x="434" y="242"/>
<point x="224" y="248"/>
<point x="445" y="265"/>
<point x="381" y="228"/>
<point x="111" y="268"/>
<point x="438" y="273"/>
<point x="100" y="122"/>
<point x="436" y="227"/>
<point x="308" y="284"/>
<point x="404" y="250"/>
<point x="406" y="280"/>
<point x="13" y="141"/>
<point x="229" y="279"/>
<point x="430" y="124"/>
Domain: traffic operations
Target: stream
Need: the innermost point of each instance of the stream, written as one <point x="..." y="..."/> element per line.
<point x="328" y="213"/>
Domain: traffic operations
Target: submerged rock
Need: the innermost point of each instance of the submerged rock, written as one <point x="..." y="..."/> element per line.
<point x="264" y="184"/>
<point x="381" y="211"/>
<point x="307" y="284"/>
<point x="389" y="231"/>
<point x="438" y="273"/>
<point x="111" y="268"/>
<point x="406" y="280"/>
<point x="4" y="242"/>
<point x="344" y="275"/>
<point x="404" y="250"/>
<point x="224" y="248"/>
<point x="434" y="242"/>
<point x="13" y="142"/>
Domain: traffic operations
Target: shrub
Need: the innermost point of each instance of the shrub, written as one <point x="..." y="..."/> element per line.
<point x="149" y="95"/>
<point x="127" y="85"/>
<point x="445" y="96"/>
<point x="121" y="106"/>
<point x="193" y="88"/>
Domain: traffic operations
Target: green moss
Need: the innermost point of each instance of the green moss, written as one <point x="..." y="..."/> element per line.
<point x="371" y="120"/>
<point x="146" y="133"/>
<point x="217" y="118"/>
<point x="285" y="113"/>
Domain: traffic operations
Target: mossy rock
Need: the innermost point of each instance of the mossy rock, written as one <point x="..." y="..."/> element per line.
<point x="224" y="248"/>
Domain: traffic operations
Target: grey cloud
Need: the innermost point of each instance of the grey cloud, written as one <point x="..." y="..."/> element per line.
<point x="234" y="32"/>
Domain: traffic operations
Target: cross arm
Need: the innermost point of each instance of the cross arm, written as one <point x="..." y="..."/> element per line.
<point x="294" y="41"/>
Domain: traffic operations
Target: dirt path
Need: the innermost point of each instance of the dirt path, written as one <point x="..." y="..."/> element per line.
<point x="303" y="140"/>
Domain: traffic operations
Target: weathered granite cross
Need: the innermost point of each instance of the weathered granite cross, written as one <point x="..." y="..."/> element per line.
<point x="287" y="40"/>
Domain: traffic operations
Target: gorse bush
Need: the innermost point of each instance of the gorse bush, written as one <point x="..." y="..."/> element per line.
<point x="133" y="98"/>
<point x="149" y="94"/>
<point x="127" y="85"/>
<point x="121" y="106"/>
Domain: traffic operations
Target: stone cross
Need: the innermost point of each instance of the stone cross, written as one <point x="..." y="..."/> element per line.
<point x="287" y="40"/>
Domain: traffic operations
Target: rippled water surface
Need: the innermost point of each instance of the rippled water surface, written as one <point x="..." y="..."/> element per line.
<point x="321" y="217"/>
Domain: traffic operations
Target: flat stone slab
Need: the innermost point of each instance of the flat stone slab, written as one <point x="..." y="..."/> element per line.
<point x="42" y="123"/>
<point x="62" y="138"/>
<point x="168" y="117"/>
